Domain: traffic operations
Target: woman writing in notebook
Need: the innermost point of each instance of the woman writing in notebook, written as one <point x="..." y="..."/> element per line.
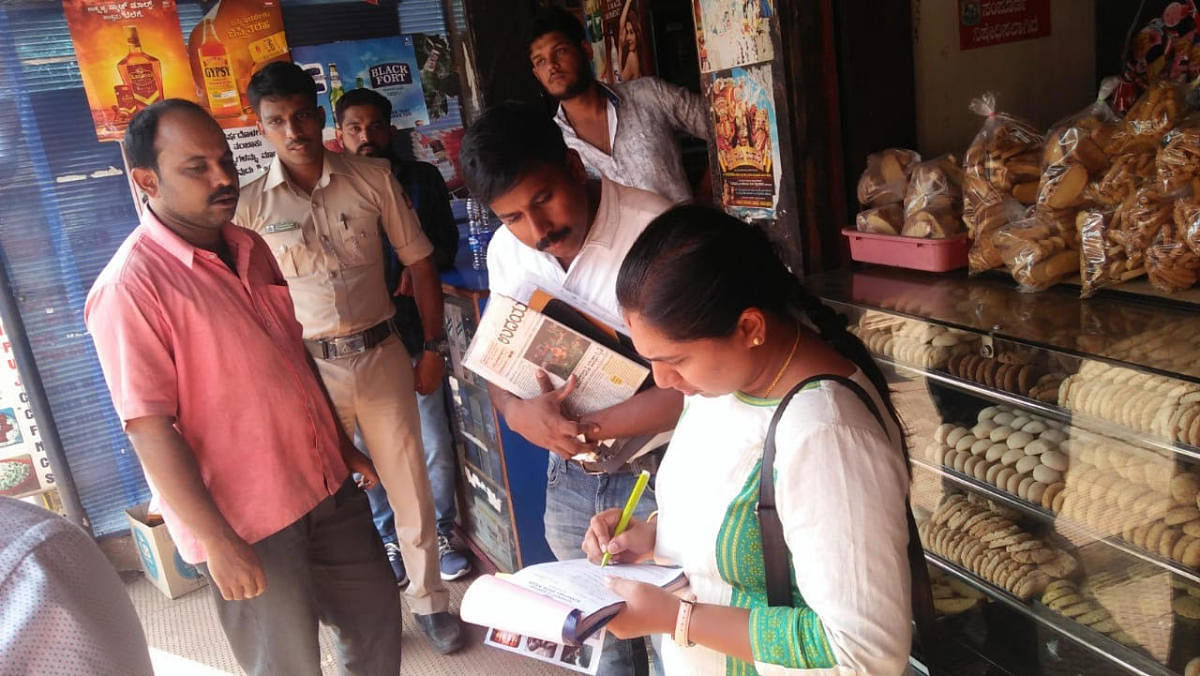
<point x="723" y="321"/>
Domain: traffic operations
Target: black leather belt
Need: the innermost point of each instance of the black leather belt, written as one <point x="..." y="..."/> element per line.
<point x="344" y="346"/>
<point x="647" y="461"/>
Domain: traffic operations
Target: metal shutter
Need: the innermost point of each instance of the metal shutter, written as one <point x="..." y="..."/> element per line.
<point x="422" y="16"/>
<point x="65" y="219"/>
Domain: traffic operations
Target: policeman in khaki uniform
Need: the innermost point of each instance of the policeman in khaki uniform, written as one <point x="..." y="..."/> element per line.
<point x="323" y="214"/>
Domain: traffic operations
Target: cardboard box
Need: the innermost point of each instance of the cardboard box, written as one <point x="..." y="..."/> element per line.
<point x="160" y="560"/>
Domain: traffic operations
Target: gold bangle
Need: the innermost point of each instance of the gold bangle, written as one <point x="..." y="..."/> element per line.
<point x="653" y="516"/>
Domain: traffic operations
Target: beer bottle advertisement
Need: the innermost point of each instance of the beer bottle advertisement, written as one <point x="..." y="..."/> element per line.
<point x="387" y="65"/>
<point x="130" y="54"/>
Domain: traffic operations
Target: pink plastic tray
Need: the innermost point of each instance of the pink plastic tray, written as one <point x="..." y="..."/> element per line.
<point x="916" y="253"/>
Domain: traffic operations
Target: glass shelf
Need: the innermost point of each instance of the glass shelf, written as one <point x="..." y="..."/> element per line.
<point x="1123" y="331"/>
<point x="1117" y="379"/>
<point x="1072" y="530"/>
<point x="1094" y="641"/>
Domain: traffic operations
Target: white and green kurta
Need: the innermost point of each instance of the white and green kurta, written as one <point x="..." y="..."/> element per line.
<point x="840" y="491"/>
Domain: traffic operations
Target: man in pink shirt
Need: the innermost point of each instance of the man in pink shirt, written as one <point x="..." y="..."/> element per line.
<point x="195" y="332"/>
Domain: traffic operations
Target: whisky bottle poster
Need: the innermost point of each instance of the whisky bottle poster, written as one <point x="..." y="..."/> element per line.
<point x="747" y="138"/>
<point x="130" y="54"/>
<point x="387" y="65"/>
<point x="231" y="41"/>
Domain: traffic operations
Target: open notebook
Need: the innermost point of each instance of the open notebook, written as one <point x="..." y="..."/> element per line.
<point x="561" y="601"/>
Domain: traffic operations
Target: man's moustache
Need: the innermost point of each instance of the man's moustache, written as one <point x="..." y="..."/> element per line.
<point x="229" y="192"/>
<point x="552" y="238"/>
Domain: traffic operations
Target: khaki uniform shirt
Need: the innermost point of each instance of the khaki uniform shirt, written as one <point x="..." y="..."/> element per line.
<point x="327" y="243"/>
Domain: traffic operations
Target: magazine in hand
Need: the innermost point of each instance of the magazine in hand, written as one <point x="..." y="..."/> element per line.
<point x="513" y="342"/>
<point x="561" y="601"/>
<point x="584" y="658"/>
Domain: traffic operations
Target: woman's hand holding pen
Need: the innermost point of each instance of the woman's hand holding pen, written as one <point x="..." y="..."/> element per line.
<point x="634" y="545"/>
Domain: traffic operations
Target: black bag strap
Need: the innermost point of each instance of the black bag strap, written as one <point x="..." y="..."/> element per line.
<point x="775" y="551"/>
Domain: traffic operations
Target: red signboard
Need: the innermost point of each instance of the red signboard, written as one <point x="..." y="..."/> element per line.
<point x="982" y="23"/>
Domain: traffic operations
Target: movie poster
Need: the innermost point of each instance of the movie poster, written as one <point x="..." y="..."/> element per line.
<point x="387" y="65"/>
<point x="230" y="42"/>
<point x="130" y="55"/>
<point x="619" y="34"/>
<point x="24" y="466"/>
<point x="734" y="33"/>
<point x="747" y="138"/>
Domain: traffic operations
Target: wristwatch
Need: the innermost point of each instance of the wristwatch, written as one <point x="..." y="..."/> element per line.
<point x="683" y="621"/>
<point x="437" y="346"/>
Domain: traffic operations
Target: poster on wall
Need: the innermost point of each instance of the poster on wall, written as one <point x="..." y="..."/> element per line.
<point x="747" y="138"/>
<point x="231" y="41"/>
<point x="439" y="79"/>
<point x="131" y="54"/>
<point x="619" y="34"/>
<point x="733" y="33"/>
<point x="24" y="466"/>
<point x="983" y="23"/>
<point x="387" y="65"/>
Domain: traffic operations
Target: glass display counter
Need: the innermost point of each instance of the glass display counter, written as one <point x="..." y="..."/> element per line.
<point x="1054" y="448"/>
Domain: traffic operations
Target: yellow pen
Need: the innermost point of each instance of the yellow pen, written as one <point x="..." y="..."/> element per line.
<point x="627" y="513"/>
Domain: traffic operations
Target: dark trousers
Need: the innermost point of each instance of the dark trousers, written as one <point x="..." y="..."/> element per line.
<point x="328" y="566"/>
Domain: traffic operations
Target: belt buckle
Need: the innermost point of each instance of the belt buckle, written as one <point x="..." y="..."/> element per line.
<point x="591" y="468"/>
<point x="350" y="344"/>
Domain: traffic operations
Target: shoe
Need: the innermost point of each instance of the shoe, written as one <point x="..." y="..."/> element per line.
<point x="443" y="631"/>
<point x="397" y="561"/>
<point x="452" y="562"/>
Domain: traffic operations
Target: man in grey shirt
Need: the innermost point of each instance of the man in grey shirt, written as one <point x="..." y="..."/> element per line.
<point x="64" y="609"/>
<point x="626" y="132"/>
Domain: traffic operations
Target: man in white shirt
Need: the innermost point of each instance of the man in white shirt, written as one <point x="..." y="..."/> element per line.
<point x="626" y="132"/>
<point x="566" y="234"/>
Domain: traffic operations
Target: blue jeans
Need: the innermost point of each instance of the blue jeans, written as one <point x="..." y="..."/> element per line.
<point x="573" y="497"/>
<point x="439" y="461"/>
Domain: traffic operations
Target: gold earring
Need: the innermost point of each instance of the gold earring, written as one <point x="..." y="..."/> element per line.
<point x="757" y="341"/>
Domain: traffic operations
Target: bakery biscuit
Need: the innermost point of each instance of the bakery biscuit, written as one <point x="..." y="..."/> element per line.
<point x="1051" y="492"/>
<point x="1046" y="475"/>
<point x="1186" y="606"/>
<point x="1180" y="515"/>
<point x="1166" y="542"/>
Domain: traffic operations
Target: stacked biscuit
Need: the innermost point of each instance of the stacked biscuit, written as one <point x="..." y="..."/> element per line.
<point x="912" y="342"/>
<point x="1006" y="371"/>
<point x="986" y="540"/>
<point x="1186" y="606"/>
<point x="1170" y="345"/>
<point x="1014" y="451"/>
<point x="1139" y="494"/>
<point x="1046" y="388"/>
<point x="952" y="596"/>
<point x="1167" y="408"/>
<point x="1067" y="599"/>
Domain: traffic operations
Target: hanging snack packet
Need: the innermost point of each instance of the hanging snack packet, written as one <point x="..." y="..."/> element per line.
<point x="1004" y="156"/>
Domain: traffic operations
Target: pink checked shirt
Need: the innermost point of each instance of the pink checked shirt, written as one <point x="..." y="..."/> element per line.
<point x="179" y="335"/>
